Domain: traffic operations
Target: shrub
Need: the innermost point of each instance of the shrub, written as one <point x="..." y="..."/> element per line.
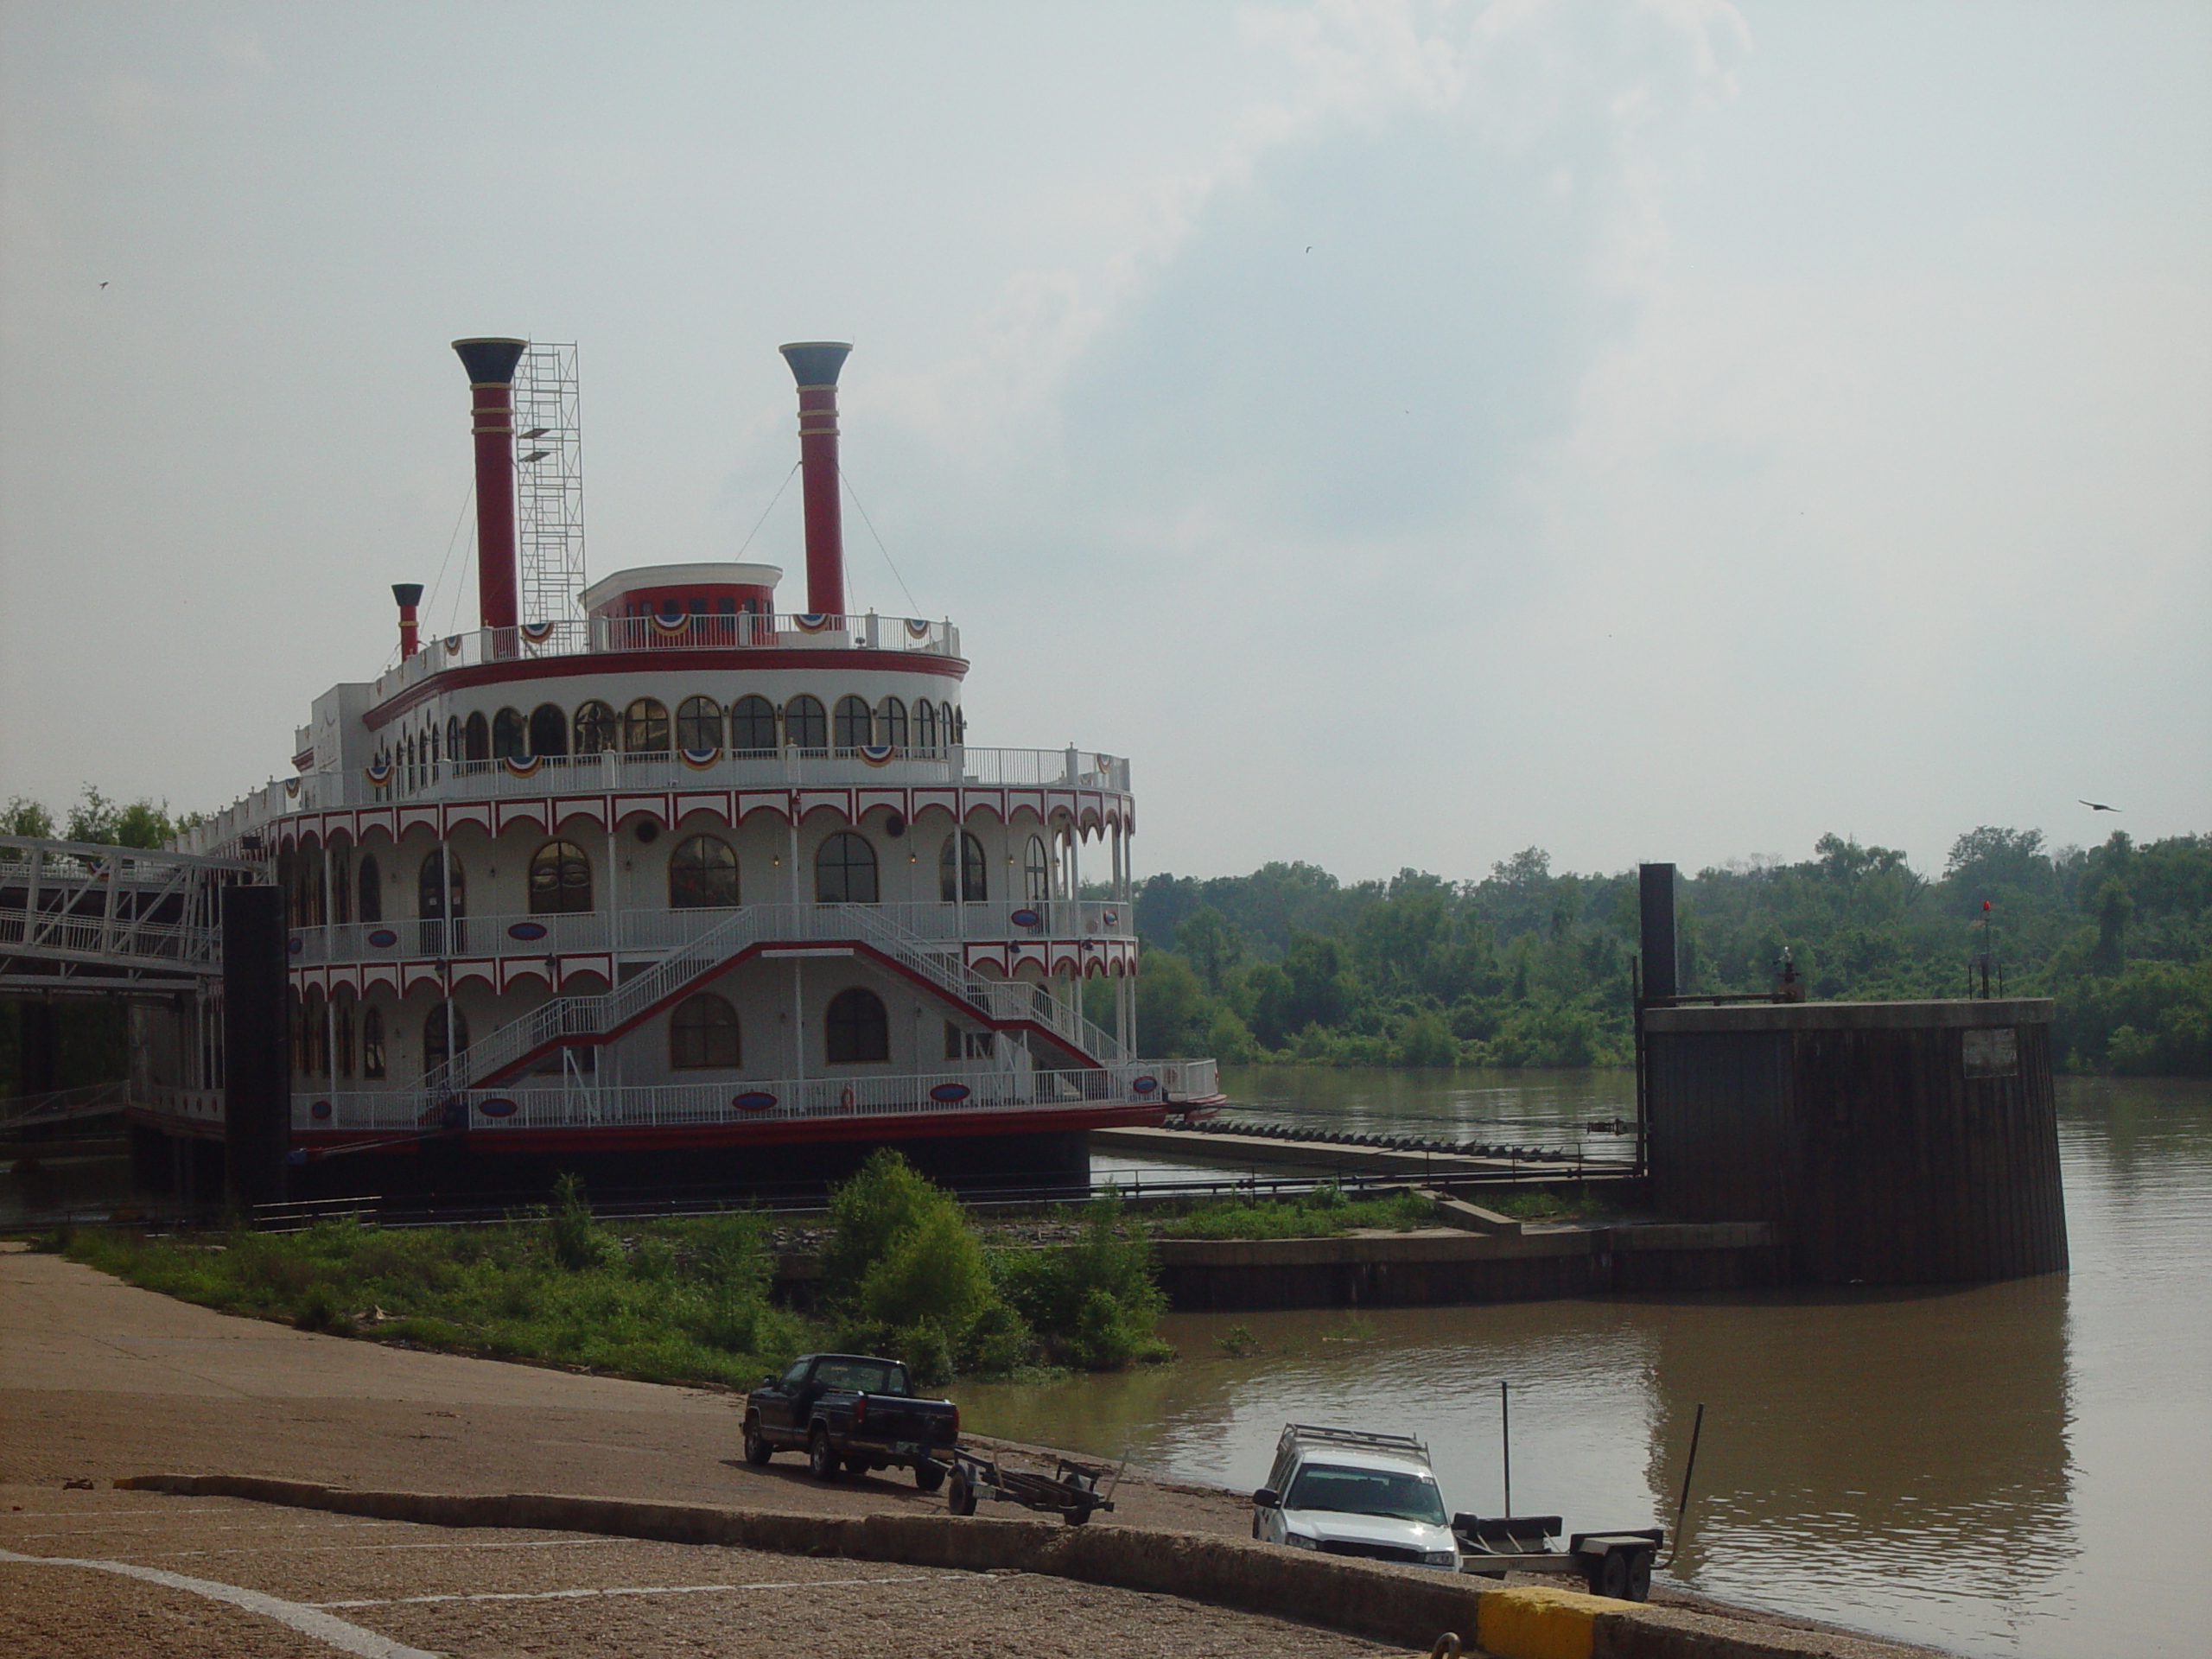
<point x="576" y="1240"/>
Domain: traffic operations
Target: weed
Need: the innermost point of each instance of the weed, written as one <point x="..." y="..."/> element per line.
<point x="1237" y="1342"/>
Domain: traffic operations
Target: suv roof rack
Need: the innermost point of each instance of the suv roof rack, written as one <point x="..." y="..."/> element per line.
<point x="1304" y="1434"/>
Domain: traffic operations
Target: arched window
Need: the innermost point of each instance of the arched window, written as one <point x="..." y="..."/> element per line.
<point x="1037" y="873"/>
<point x="549" y="729"/>
<point x="438" y="908"/>
<point x="373" y="1043"/>
<point x="703" y="1032"/>
<point x="960" y="870"/>
<point x="645" y="727"/>
<point x="699" y="725"/>
<point x="315" y="1033"/>
<point x="805" y="727"/>
<point x="855" y="726"/>
<point x="345" y="1038"/>
<point x="597" y="730"/>
<point x="435" y="1030"/>
<point x="476" y="740"/>
<point x="856" y="1031"/>
<point x="947" y="731"/>
<point x="890" y="722"/>
<point x="560" y="879"/>
<point x="508" y="733"/>
<point x="341" y="886"/>
<point x="702" y="875"/>
<point x="370" y="889"/>
<point x="844" y="870"/>
<point x="957" y="723"/>
<point x="752" y="726"/>
<point x="452" y="739"/>
<point x="925" y="727"/>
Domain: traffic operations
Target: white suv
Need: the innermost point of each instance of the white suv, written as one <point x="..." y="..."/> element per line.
<point x="1351" y="1493"/>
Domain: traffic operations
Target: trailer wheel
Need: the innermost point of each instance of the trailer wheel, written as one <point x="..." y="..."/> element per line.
<point x="1639" y="1576"/>
<point x="757" y="1449"/>
<point x="960" y="1497"/>
<point x="821" y="1461"/>
<point x="1076" y="1516"/>
<point x="1611" y="1579"/>
<point x="928" y="1476"/>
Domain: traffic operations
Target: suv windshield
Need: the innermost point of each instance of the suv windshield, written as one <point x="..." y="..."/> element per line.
<point x="1367" y="1491"/>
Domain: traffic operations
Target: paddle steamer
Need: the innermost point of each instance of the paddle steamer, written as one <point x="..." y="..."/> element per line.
<point x="675" y="873"/>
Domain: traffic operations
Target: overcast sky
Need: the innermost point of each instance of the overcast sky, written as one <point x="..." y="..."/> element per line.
<point x="1412" y="432"/>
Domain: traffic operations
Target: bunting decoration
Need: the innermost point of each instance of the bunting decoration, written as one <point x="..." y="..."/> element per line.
<point x="537" y="632"/>
<point x="813" y="622"/>
<point x="917" y="629"/>
<point x="523" y="766"/>
<point x="877" y="754"/>
<point x="292" y="787"/>
<point x="453" y="645"/>
<point x="378" y="773"/>
<point x="700" y="759"/>
<point x="675" y="623"/>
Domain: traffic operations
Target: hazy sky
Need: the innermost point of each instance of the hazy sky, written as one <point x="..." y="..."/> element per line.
<point x="1412" y="432"/>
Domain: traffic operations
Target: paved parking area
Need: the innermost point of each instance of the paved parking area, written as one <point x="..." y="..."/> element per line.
<point x="318" y="1583"/>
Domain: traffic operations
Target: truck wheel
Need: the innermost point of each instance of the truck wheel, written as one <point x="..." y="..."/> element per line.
<point x="960" y="1497"/>
<point x="1076" y="1516"/>
<point x="757" y="1450"/>
<point x="1612" y="1575"/>
<point x="928" y="1476"/>
<point x="1639" y="1576"/>
<point x="821" y="1461"/>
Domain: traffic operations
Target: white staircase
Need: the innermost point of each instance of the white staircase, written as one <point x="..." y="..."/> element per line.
<point x="586" y="1020"/>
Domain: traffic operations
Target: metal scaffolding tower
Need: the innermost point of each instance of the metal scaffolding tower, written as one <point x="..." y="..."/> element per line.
<point x="548" y="482"/>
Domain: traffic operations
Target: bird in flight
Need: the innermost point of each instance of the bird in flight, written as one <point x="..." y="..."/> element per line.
<point x="2097" y="806"/>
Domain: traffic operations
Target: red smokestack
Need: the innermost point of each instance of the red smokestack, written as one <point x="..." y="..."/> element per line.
<point x="491" y="365"/>
<point x="409" y="595"/>
<point x="814" y="366"/>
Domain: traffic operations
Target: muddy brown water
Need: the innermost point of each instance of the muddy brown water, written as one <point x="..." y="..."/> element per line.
<point x="2011" y="1469"/>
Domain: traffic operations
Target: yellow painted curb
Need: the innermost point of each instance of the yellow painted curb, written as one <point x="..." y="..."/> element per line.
<point x="1536" y="1622"/>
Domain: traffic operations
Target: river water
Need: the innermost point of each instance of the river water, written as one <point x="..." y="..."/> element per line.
<point x="2011" y="1469"/>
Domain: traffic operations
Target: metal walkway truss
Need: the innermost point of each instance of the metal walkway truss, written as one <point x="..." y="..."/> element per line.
<point x="80" y="919"/>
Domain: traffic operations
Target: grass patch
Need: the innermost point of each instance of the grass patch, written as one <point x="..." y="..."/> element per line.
<point x="1325" y="1212"/>
<point x="685" y="1301"/>
<point x="1579" y="1204"/>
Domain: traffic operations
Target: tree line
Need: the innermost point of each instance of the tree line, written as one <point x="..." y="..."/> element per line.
<point x="1527" y="967"/>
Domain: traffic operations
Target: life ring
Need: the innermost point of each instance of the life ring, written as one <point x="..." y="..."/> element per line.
<point x="845" y="1100"/>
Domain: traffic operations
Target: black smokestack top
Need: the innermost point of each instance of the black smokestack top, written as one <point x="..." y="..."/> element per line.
<point x="815" y="363"/>
<point x="408" y="593"/>
<point x="491" y="362"/>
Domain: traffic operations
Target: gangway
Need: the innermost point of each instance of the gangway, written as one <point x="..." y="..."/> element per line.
<point x="77" y="917"/>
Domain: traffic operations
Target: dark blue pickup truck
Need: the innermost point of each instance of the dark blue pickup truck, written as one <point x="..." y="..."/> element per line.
<point x="851" y="1411"/>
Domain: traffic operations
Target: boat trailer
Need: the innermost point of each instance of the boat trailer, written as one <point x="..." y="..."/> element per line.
<point x="1615" y="1564"/>
<point x="1071" y="1491"/>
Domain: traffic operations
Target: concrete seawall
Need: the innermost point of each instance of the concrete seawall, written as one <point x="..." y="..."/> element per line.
<point x="1434" y="1268"/>
<point x="1405" y="1605"/>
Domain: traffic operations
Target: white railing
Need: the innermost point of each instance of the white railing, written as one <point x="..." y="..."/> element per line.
<point x="578" y="637"/>
<point x="586" y="931"/>
<point x="195" y="1105"/>
<point x="533" y="1105"/>
<point x="526" y="777"/>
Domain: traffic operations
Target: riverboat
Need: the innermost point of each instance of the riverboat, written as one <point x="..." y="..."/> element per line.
<point x="674" y="873"/>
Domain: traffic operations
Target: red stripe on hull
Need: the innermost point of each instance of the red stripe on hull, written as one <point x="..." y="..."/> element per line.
<point x="788" y="1132"/>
